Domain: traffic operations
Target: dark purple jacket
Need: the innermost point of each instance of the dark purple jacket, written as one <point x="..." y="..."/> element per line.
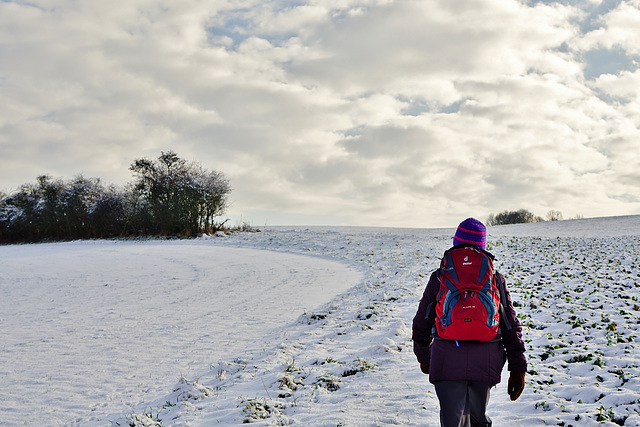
<point x="466" y="360"/>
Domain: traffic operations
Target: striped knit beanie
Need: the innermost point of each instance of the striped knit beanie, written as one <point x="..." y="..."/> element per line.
<point x="471" y="231"/>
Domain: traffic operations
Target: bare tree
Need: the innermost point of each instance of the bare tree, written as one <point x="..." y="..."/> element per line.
<point x="554" y="215"/>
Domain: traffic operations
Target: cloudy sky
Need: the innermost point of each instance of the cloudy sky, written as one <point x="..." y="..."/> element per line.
<point x="339" y="112"/>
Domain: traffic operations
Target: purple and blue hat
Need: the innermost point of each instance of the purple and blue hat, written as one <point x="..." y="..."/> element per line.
<point x="471" y="232"/>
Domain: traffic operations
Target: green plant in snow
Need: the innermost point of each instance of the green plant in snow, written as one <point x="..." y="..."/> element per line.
<point x="328" y="382"/>
<point x="543" y="405"/>
<point x="604" y="414"/>
<point x="580" y="358"/>
<point x="146" y="419"/>
<point x="259" y="409"/>
<point x="359" y="365"/>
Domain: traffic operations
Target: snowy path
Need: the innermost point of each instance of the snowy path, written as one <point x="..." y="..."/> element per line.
<point x="90" y="328"/>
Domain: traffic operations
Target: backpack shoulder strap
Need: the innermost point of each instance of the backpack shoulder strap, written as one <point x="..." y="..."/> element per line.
<point x="432" y="305"/>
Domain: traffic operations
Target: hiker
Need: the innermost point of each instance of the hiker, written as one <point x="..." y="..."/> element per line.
<point x="464" y="369"/>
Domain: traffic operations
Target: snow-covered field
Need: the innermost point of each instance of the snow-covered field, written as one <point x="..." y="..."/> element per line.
<point x="306" y="326"/>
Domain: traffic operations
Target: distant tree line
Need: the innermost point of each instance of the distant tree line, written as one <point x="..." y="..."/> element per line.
<point x="169" y="197"/>
<point x="521" y="216"/>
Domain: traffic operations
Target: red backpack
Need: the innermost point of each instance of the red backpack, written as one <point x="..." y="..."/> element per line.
<point x="468" y="302"/>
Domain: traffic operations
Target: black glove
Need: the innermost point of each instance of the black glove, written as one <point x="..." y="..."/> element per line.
<point x="515" y="385"/>
<point x="424" y="367"/>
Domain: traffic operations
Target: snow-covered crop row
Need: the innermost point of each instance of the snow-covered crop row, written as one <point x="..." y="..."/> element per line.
<point x="578" y="300"/>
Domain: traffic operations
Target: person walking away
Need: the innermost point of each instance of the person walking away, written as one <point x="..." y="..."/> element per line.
<point x="466" y="328"/>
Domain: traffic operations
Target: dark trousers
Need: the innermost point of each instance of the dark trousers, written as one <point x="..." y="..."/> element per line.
<point x="463" y="403"/>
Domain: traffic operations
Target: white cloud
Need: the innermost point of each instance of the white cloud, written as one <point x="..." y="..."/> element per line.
<point x="294" y="20"/>
<point x="350" y="111"/>
<point x="623" y="87"/>
<point x="619" y="28"/>
<point x="436" y="40"/>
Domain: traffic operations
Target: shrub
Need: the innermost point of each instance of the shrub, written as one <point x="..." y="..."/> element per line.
<point x="513" y="217"/>
<point x="169" y="197"/>
<point x="177" y="197"/>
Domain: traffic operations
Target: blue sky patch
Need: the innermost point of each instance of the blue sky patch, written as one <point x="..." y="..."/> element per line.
<point x="606" y="61"/>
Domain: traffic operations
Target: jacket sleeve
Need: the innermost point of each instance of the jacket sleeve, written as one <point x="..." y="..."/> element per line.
<point x="512" y="334"/>
<point x="424" y="320"/>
